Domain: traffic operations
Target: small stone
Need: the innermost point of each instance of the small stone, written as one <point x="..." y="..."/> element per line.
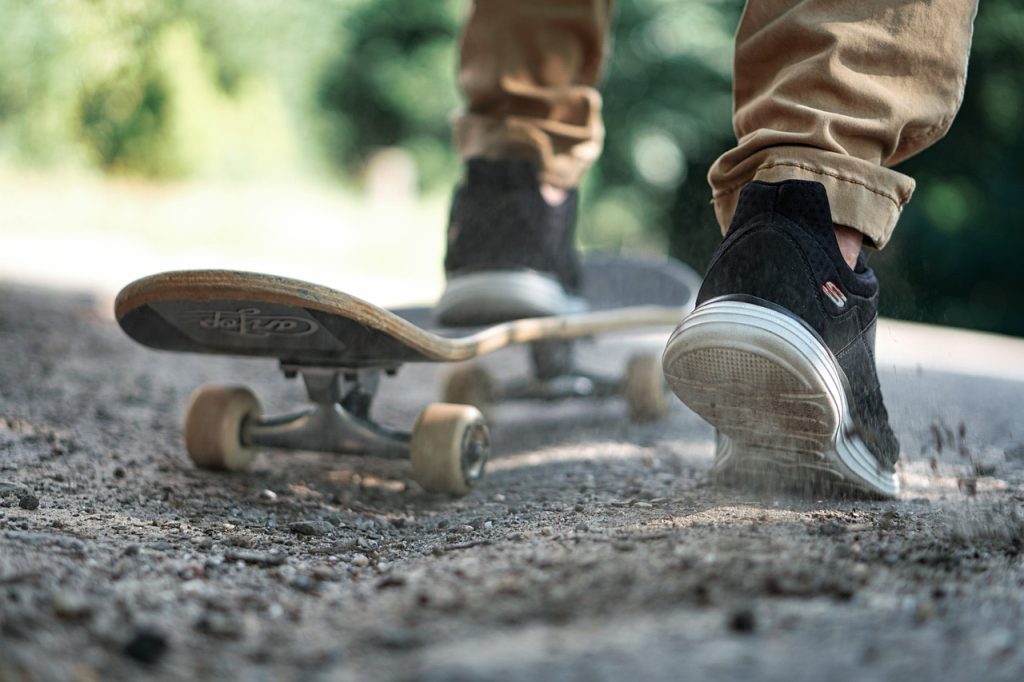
<point x="257" y="558"/>
<point x="219" y="625"/>
<point x="582" y="528"/>
<point x="146" y="647"/>
<point x="268" y="496"/>
<point x="29" y="502"/>
<point x="119" y="472"/>
<point x="202" y="541"/>
<point x="393" y="580"/>
<point x="359" y="560"/>
<point x="325" y="573"/>
<point x="743" y="620"/>
<point x="70" y="607"/>
<point x="310" y="528"/>
<point x="304" y="583"/>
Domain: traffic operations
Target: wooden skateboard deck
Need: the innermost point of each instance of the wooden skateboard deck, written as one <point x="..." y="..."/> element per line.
<point x="298" y="323"/>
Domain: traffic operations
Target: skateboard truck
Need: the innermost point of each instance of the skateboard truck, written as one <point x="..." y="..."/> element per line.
<point x="556" y="376"/>
<point x="337" y="421"/>
<point x="448" y="446"/>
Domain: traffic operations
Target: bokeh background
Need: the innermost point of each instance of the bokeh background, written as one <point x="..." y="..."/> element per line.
<point x="311" y="138"/>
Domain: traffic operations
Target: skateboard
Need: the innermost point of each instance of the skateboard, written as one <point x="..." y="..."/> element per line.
<point x="342" y="346"/>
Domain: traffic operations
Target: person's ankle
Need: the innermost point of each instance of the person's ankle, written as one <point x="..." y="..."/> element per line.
<point x="554" y="196"/>
<point x="850" y="243"/>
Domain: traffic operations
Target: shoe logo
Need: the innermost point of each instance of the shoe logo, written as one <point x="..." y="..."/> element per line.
<point x="250" y="322"/>
<point x="834" y="294"/>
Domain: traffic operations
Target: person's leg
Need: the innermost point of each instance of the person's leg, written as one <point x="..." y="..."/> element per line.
<point x="779" y="354"/>
<point x="530" y="130"/>
<point x="838" y="92"/>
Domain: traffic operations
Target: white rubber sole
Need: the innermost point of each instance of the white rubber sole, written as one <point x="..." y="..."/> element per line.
<point x="489" y="297"/>
<point x="775" y="394"/>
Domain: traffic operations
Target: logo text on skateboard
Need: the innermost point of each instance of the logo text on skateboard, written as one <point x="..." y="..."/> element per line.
<point x="251" y="322"/>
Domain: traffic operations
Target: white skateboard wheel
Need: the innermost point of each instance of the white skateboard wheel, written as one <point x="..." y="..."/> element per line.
<point x="469" y="385"/>
<point x="213" y="426"/>
<point x="643" y="388"/>
<point x="449" y="448"/>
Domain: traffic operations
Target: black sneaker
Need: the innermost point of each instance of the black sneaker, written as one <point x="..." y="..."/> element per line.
<point x="510" y="254"/>
<point x="778" y="355"/>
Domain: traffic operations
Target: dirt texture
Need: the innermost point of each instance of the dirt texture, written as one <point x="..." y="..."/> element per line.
<point x="595" y="549"/>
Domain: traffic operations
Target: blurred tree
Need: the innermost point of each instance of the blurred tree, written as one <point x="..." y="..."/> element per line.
<point x="393" y="84"/>
<point x="161" y="88"/>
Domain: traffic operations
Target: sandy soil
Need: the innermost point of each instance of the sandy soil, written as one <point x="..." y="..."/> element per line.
<point x="595" y="549"/>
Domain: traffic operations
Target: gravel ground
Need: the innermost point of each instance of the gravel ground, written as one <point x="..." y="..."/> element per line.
<point x="595" y="549"/>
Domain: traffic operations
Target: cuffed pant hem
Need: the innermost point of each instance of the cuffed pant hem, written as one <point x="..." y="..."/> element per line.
<point x="497" y="138"/>
<point x="869" y="199"/>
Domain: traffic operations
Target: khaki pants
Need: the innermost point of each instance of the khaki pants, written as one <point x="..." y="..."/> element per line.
<point x="836" y="91"/>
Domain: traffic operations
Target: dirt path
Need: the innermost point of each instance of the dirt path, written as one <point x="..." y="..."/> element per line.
<point x="595" y="549"/>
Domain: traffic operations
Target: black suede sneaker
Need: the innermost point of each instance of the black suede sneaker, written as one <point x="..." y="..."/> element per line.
<point x="510" y="253"/>
<point x="778" y="354"/>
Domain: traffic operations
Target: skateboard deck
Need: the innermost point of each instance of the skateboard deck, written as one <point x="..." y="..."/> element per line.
<point x="299" y="323"/>
<point x="341" y="346"/>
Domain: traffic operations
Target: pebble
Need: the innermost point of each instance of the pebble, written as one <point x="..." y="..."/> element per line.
<point x="359" y="560"/>
<point x="258" y="558"/>
<point x="219" y="625"/>
<point x="70" y="606"/>
<point x="304" y="583"/>
<point x="29" y="502"/>
<point x="268" y="496"/>
<point x="311" y="528"/>
<point x="325" y="573"/>
<point x="202" y="541"/>
<point x="147" y="646"/>
<point x="743" y="620"/>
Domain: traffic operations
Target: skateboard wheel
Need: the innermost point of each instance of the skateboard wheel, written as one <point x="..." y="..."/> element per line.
<point x="449" y="448"/>
<point x="213" y="426"/>
<point x="643" y="388"/>
<point x="469" y="385"/>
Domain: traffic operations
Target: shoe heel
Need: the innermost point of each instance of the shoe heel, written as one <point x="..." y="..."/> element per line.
<point x="774" y="393"/>
<point x="757" y="375"/>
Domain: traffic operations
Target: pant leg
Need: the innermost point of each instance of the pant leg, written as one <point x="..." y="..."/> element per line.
<point x="528" y="73"/>
<point x="838" y="91"/>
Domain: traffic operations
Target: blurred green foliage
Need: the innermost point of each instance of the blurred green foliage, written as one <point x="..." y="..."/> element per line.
<point x="236" y="88"/>
<point x="160" y="88"/>
<point x="393" y="84"/>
